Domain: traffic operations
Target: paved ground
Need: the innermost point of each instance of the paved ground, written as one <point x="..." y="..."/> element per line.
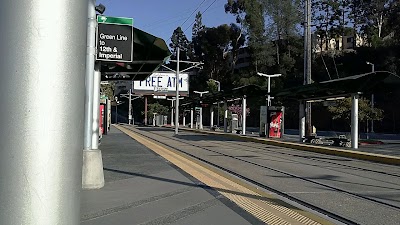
<point x="142" y="188"/>
<point x="361" y="191"/>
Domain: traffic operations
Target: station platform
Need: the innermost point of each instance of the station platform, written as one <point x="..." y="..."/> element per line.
<point x="141" y="187"/>
<point x="146" y="183"/>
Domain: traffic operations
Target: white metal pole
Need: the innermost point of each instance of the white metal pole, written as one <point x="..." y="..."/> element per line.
<point x="184" y="118"/>
<point x="96" y="107"/>
<point x="201" y="118"/>
<point x="269" y="90"/>
<point x="42" y="126"/>
<point x="89" y="75"/>
<point x="226" y="117"/>
<point x="354" y="121"/>
<point x="212" y="117"/>
<point x="244" y="115"/>
<point x="177" y="94"/>
<point x="191" y="118"/>
<point x="130" y="107"/>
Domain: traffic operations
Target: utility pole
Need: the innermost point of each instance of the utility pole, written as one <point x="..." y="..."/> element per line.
<point x="177" y="93"/>
<point x="307" y="64"/>
<point x="178" y="61"/>
<point x="372" y="99"/>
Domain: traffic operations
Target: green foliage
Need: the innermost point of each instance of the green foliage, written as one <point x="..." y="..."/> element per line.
<point x="342" y="110"/>
<point x="180" y="40"/>
<point x="156" y="108"/>
<point x="212" y="86"/>
<point x="108" y="89"/>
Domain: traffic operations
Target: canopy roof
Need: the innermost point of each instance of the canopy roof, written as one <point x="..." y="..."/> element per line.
<point x="149" y="53"/>
<point x="374" y="82"/>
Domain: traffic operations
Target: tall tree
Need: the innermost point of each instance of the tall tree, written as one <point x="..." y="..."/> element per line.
<point x="196" y="29"/>
<point x="284" y="16"/>
<point x="180" y="40"/>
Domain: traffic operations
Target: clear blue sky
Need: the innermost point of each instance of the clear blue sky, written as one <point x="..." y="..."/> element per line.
<point x="162" y="17"/>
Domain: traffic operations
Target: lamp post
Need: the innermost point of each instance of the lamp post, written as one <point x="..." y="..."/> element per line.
<point x="269" y="84"/>
<point x="201" y="108"/>
<point x="116" y="109"/>
<point x="372" y="99"/>
<point x="130" y="99"/>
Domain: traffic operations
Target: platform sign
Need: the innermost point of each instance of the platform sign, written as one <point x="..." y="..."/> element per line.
<point x="162" y="83"/>
<point x="114" y="39"/>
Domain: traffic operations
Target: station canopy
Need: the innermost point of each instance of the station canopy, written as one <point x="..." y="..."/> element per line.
<point x="367" y="83"/>
<point x="211" y="98"/>
<point x="149" y="53"/>
<point x="374" y="82"/>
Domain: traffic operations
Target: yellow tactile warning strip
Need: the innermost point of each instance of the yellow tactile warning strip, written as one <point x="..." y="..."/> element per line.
<point x="320" y="149"/>
<point x="263" y="206"/>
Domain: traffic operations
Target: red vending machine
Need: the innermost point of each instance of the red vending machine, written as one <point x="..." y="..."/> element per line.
<point x="275" y="117"/>
<point x="101" y="120"/>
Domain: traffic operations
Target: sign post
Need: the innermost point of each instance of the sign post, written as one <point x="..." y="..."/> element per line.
<point x="114" y="39"/>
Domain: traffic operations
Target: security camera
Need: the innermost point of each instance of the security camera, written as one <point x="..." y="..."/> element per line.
<point x="100" y="9"/>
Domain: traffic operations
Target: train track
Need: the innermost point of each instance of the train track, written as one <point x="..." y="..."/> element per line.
<point x="159" y="139"/>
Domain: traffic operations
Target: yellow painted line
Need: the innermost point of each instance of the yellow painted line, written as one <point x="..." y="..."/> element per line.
<point x="319" y="149"/>
<point x="263" y="206"/>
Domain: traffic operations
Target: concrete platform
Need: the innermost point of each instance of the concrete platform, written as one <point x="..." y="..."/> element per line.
<point x="143" y="188"/>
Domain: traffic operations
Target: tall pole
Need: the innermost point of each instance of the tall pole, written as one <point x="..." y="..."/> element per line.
<point x="308" y="46"/>
<point x="269" y="91"/>
<point x="184" y="119"/>
<point x="191" y="118"/>
<point x="172" y="112"/>
<point x="89" y="75"/>
<point x="96" y="107"/>
<point x="372" y="103"/>
<point x="145" y="111"/>
<point x="41" y="141"/>
<point x="116" y="110"/>
<point x="177" y="94"/>
<point x="244" y="115"/>
<point x="130" y="107"/>
<point x="212" y="116"/>
<point x="354" y="121"/>
<point x="225" y="116"/>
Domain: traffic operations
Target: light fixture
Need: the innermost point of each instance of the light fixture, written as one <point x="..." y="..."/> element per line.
<point x="100" y="9"/>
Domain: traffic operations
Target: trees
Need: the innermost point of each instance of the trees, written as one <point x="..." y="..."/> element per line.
<point x="180" y="40"/>
<point x="108" y="89"/>
<point x="156" y="108"/>
<point x="342" y="111"/>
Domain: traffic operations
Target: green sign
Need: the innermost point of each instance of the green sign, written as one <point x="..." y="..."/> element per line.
<point x="115" y="20"/>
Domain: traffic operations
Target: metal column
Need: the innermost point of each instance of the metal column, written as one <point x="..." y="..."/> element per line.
<point x="130" y="121"/>
<point x="354" y="121"/>
<point x="145" y="111"/>
<point x="225" y="117"/>
<point x="191" y="118"/>
<point x="184" y="118"/>
<point x="177" y="93"/>
<point x="302" y="121"/>
<point x="43" y="92"/>
<point x="92" y="168"/>
<point x="96" y="107"/>
<point x="212" y="117"/>
<point x="201" y="119"/>
<point x="244" y="115"/>
<point x="89" y="75"/>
